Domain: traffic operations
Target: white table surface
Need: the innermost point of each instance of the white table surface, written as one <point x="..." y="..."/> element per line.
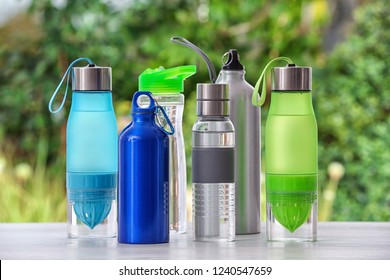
<point x="336" y="240"/>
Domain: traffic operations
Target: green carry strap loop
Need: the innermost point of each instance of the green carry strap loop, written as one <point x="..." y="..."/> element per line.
<point x="188" y="44"/>
<point x="258" y="100"/>
<point x="66" y="75"/>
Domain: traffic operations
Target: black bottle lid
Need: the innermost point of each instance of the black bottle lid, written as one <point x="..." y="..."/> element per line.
<point x="233" y="61"/>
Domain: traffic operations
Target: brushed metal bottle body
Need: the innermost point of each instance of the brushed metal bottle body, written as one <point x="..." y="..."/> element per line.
<point x="246" y="120"/>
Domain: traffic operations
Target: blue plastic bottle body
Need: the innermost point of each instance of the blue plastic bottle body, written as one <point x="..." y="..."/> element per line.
<point x="92" y="133"/>
<point x="143" y="187"/>
<point x="92" y="163"/>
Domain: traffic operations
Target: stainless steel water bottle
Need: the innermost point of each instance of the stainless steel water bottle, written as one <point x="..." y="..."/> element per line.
<point x="213" y="166"/>
<point x="246" y="120"/>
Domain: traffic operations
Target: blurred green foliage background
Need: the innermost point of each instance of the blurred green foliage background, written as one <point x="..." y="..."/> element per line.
<point x="351" y="85"/>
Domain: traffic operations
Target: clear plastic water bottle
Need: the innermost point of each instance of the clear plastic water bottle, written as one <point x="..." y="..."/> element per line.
<point x="167" y="86"/>
<point x="91" y="153"/>
<point x="213" y="190"/>
<point x="246" y="121"/>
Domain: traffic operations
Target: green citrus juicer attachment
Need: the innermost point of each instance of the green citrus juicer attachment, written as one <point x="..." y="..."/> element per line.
<point x="291" y="147"/>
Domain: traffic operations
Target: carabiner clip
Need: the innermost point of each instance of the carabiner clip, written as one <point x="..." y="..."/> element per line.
<point x="166" y="120"/>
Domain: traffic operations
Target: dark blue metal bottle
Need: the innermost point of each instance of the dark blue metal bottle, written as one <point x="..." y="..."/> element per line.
<point x="143" y="208"/>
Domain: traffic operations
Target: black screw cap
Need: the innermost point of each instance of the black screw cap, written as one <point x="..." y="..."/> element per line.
<point x="233" y="61"/>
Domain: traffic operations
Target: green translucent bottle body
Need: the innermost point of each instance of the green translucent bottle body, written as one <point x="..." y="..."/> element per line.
<point x="291" y="148"/>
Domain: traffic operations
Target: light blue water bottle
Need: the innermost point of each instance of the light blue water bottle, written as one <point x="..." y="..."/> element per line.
<point x="91" y="152"/>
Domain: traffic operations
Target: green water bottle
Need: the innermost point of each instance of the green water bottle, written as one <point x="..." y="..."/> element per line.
<point x="291" y="155"/>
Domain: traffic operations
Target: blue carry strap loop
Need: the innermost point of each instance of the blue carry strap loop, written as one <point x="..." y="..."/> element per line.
<point x="66" y="75"/>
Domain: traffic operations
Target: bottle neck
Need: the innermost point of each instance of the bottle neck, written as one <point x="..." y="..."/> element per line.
<point x="140" y="117"/>
<point x="236" y="75"/>
<point x="291" y="103"/>
<point x="167" y="99"/>
<point x="97" y="101"/>
<point x="213" y="118"/>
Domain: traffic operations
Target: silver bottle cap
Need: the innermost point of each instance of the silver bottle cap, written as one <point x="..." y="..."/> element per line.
<point x="212" y="100"/>
<point x="291" y="78"/>
<point x="92" y="78"/>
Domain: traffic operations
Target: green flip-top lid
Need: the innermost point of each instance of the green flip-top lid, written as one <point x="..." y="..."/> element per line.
<point x="162" y="81"/>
